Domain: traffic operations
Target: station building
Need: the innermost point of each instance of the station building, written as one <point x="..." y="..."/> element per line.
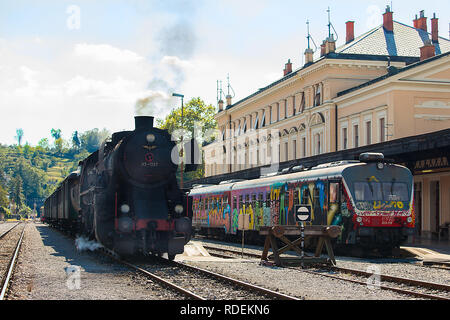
<point x="390" y="83"/>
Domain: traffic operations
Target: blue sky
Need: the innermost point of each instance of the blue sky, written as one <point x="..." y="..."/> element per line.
<point x="55" y="75"/>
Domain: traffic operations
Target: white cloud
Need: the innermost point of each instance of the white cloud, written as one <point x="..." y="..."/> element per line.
<point x="374" y="14"/>
<point x="106" y="52"/>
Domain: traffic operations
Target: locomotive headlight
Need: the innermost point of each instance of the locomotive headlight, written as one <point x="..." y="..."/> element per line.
<point x="125" y="208"/>
<point x="150" y="138"/>
<point x="380" y="165"/>
<point x="409" y="219"/>
<point x="179" y="208"/>
<point x="359" y="219"/>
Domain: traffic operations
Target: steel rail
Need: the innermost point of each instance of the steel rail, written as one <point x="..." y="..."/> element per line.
<point x="11" y="266"/>
<point x="7" y="231"/>
<point x="151" y="275"/>
<point x="238" y="282"/>
<point x="428" y="285"/>
<point x="398" y="290"/>
<point x="425" y="284"/>
<point x="162" y="281"/>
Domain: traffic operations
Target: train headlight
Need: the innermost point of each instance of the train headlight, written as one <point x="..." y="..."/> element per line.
<point x="380" y="165"/>
<point x="179" y="209"/>
<point x="409" y="219"/>
<point x="150" y="138"/>
<point x="125" y="208"/>
<point x="359" y="219"/>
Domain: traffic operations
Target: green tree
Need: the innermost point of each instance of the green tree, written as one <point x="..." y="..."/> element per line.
<point x="76" y="143"/>
<point x="19" y="135"/>
<point x="195" y="113"/>
<point x="4" y="202"/>
<point x="198" y="118"/>
<point x="16" y="192"/>
<point x="56" y="133"/>
<point x="92" y="139"/>
<point x="44" y="144"/>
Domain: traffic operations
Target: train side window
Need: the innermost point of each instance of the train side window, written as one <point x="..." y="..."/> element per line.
<point x="234" y="202"/>
<point x="261" y="199"/>
<point x="334" y="192"/>
<point x="316" y="193"/>
<point x="247" y="198"/>
<point x="268" y="199"/>
<point x="305" y="196"/>
<point x="253" y="200"/>
<point x="240" y="201"/>
<point x="296" y="190"/>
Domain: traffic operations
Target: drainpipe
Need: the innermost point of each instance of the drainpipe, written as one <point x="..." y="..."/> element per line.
<point x="336" y="126"/>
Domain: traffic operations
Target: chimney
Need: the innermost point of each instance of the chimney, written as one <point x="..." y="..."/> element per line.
<point x="434" y="29"/>
<point x="322" y="48"/>
<point x="287" y="67"/>
<point x="228" y="97"/>
<point x="330" y="45"/>
<point x="350" y="31"/>
<point x="422" y="21"/>
<point x="415" y="21"/>
<point x="427" y="51"/>
<point x="308" y="56"/>
<point x="143" y="122"/>
<point x="388" y="22"/>
<point x="220" y="105"/>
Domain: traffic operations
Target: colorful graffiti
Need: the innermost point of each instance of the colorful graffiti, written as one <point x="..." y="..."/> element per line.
<point x="266" y="206"/>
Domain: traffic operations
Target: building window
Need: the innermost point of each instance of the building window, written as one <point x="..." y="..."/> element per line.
<point x="317" y="95"/>
<point x="317" y="144"/>
<point x="263" y="120"/>
<point x="285" y="109"/>
<point x="294" y="149"/>
<point x="344" y="138"/>
<point x="278" y="112"/>
<point x="303" y="147"/>
<point x="368" y="132"/>
<point x="286" y="151"/>
<point x="302" y="103"/>
<point x="293" y="106"/>
<point x="356" y="136"/>
<point x="382" y="130"/>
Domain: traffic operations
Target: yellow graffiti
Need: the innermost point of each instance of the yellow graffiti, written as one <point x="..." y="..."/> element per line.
<point x="334" y="207"/>
<point x="372" y="179"/>
<point x="311" y="194"/>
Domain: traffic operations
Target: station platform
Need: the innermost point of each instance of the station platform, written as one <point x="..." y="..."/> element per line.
<point x="429" y="250"/>
<point x="194" y="251"/>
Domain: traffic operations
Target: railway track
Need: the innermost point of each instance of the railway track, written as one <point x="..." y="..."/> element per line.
<point x="5" y="232"/>
<point x="199" y="284"/>
<point x="412" y="287"/>
<point x="10" y="252"/>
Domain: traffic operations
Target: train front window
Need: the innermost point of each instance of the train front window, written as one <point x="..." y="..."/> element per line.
<point x="386" y="191"/>
<point x="395" y="191"/>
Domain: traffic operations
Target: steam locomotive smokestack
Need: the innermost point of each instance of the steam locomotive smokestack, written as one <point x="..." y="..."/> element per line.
<point x="143" y="122"/>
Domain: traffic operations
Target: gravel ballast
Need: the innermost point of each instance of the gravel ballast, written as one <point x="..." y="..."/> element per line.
<point x="43" y="272"/>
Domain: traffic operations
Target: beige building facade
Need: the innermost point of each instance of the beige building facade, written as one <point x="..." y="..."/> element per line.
<point x="389" y="83"/>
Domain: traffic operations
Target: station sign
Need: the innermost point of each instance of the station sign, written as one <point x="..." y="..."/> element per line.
<point x="302" y="212"/>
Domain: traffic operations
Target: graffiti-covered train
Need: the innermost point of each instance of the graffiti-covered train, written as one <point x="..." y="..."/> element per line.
<point x="126" y="196"/>
<point x="371" y="199"/>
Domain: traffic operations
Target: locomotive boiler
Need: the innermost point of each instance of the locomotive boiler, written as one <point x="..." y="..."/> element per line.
<point x="126" y="196"/>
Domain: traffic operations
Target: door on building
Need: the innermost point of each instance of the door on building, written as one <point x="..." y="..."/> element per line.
<point x="418" y="207"/>
<point x="434" y="208"/>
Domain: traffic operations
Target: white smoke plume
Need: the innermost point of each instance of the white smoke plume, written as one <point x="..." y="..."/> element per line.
<point x="177" y="41"/>
<point x="84" y="244"/>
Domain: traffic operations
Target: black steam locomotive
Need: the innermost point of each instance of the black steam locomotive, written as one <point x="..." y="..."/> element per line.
<point x="125" y="195"/>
